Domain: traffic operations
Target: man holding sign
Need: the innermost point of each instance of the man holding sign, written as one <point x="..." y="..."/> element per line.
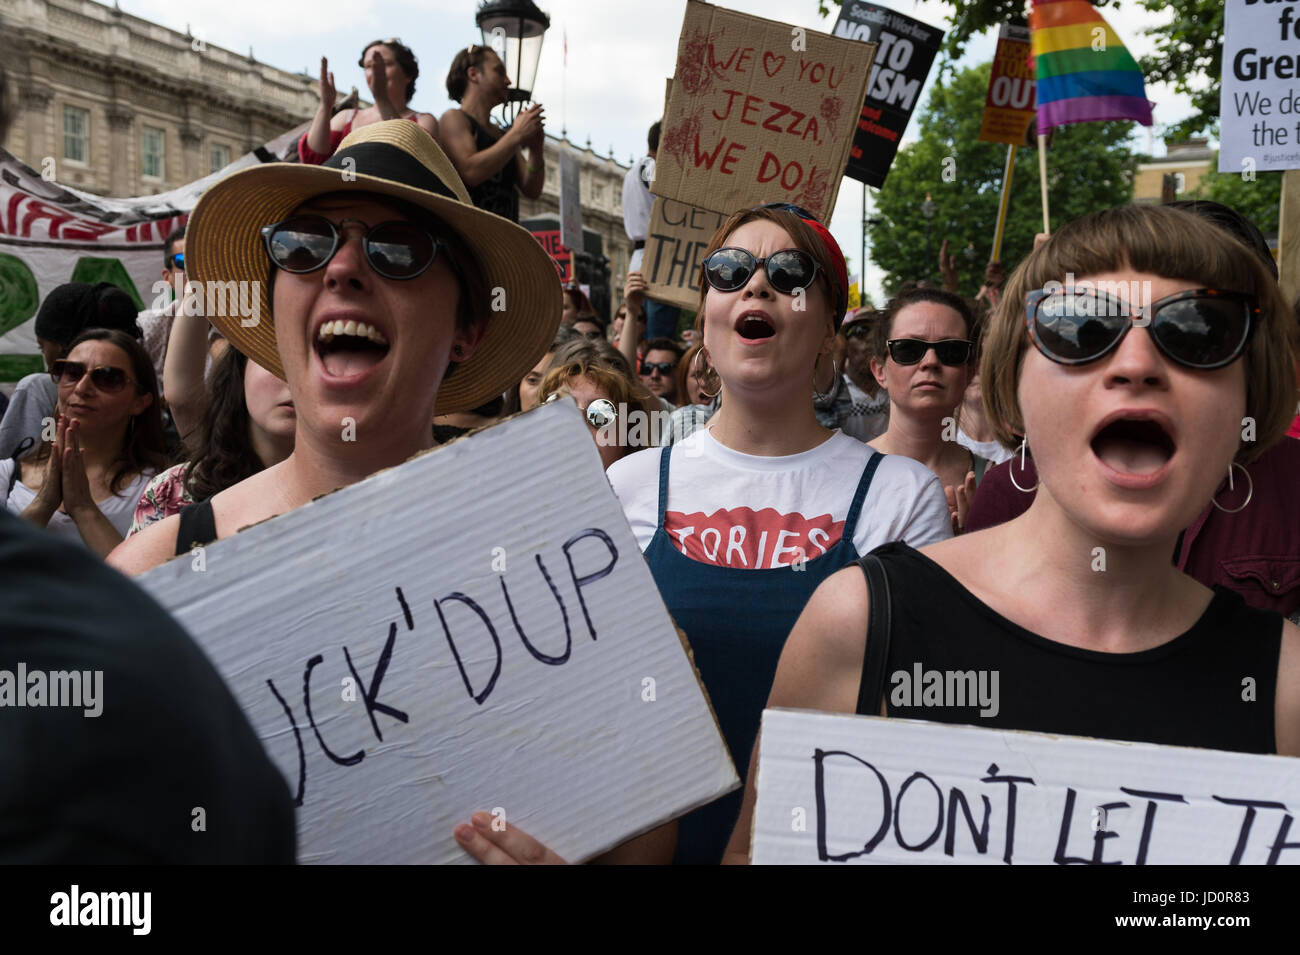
<point x="660" y="317"/>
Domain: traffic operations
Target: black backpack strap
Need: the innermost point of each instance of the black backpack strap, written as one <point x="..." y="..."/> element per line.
<point x="198" y="526"/>
<point x="876" y="658"/>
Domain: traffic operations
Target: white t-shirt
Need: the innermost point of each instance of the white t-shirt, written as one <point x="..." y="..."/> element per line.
<point x="637" y="204"/>
<point x="990" y="451"/>
<point x="748" y="511"/>
<point x="119" y="508"/>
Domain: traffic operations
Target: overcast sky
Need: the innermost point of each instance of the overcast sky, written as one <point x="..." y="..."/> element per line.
<point x="619" y="52"/>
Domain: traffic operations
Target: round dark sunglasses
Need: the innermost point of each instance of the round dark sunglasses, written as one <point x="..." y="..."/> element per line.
<point x="106" y="378"/>
<point x="395" y="249"/>
<point x="909" y="351"/>
<point x="729" y="269"/>
<point x="1200" y="328"/>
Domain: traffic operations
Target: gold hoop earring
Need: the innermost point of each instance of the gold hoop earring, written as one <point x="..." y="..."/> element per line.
<point x="1250" y="490"/>
<point x="710" y="370"/>
<point x="1011" y="470"/>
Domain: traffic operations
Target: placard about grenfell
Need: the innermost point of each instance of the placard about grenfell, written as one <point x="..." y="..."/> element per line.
<point x="1259" y="96"/>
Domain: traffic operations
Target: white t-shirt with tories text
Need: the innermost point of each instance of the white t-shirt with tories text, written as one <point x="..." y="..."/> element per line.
<point x="755" y="512"/>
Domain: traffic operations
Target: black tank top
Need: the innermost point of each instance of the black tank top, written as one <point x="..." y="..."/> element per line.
<point x="1187" y="692"/>
<point x="497" y="193"/>
<point x="198" y="527"/>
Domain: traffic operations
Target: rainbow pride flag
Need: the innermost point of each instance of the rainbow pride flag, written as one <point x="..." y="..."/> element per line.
<point x="1084" y="72"/>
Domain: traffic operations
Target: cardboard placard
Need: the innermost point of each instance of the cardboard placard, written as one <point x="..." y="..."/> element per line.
<point x="570" y="200"/>
<point x="1259" y="99"/>
<point x="450" y="636"/>
<point x="834" y="788"/>
<point x="1010" y="102"/>
<point x="674" y="249"/>
<point x="759" y="111"/>
<point x="905" y="52"/>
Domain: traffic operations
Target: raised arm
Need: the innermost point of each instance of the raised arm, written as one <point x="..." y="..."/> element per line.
<point x="820" y="669"/>
<point x="183" y="367"/>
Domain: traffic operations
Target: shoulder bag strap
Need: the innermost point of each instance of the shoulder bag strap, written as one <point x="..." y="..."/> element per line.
<point x="876" y="658"/>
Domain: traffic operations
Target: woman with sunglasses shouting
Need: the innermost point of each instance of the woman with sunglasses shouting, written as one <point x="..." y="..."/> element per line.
<point x="741" y="520"/>
<point x="1133" y="402"/>
<point x="921" y="355"/>
<point x="107" y="444"/>
<point x="377" y="315"/>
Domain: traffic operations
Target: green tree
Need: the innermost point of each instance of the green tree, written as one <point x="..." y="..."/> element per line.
<point x="1089" y="167"/>
<point x="1187" y="55"/>
<point x="1257" y="200"/>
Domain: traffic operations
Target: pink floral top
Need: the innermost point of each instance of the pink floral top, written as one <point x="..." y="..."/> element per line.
<point x="164" y="496"/>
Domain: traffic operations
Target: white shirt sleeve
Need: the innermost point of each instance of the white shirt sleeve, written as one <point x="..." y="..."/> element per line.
<point x="635" y="479"/>
<point x="637" y="202"/>
<point x="906" y="503"/>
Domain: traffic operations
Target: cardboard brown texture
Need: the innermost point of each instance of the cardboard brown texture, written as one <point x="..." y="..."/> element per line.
<point x="861" y="789"/>
<point x="452" y="635"/>
<point x="759" y="111"/>
<point x="674" y="249"/>
<point x="1011" y="98"/>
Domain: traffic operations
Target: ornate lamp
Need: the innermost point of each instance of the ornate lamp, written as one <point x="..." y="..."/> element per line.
<point x="514" y="29"/>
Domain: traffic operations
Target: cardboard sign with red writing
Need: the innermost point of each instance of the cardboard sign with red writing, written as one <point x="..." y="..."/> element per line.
<point x="1009" y="105"/>
<point x="674" y="249"/>
<point x="760" y="111"/>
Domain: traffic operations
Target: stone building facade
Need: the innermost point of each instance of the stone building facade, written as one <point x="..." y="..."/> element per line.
<point x="126" y="107"/>
<point x="1186" y="161"/>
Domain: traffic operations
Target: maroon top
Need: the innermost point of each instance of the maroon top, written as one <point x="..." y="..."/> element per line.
<point x="1255" y="552"/>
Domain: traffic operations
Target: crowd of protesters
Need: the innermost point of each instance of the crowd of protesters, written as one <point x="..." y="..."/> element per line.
<point x="954" y="460"/>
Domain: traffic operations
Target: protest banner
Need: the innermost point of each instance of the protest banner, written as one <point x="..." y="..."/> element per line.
<point x="905" y="53"/>
<point x="674" y="248"/>
<point x="51" y="234"/>
<point x="1009" y="103"/>
<point x="1259" y="100"/>
<point x="482" y="646"/>
<point x="836" y="788"/>
<point x="759" y="111"/>
<point x="570" y="200"/>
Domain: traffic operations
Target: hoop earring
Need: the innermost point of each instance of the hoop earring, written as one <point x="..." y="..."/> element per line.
<point x="710" y="370"/>
<point x="1250" y="490"/>
<point x="817" y="395"/>
<point x="1011" y="471"/>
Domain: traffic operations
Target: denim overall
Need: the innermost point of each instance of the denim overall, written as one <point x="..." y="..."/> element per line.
<point x="737" y="621"/>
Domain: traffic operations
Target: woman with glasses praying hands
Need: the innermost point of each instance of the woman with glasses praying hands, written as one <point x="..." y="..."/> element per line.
<point x="921" y="353"/>
<point x="1133" y="404"/>
<point x="107" y="444"/>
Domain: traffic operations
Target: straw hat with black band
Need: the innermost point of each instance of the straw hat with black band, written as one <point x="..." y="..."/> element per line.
<point x="394" y="158"/>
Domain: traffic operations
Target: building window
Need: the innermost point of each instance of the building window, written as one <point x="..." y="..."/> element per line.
<point x="151" y="153"/>
<point x="598" y="193"/>
<point x="76" y="133"/>
<point x="220" y="158"/>
<point x="1180" y="183"/>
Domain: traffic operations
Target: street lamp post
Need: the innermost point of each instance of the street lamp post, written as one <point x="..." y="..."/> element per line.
<point x="515" y="30"/>
<point x="927" y="210"/>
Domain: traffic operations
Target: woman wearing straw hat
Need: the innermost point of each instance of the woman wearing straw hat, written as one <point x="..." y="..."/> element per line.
<point x="373" y="272"/>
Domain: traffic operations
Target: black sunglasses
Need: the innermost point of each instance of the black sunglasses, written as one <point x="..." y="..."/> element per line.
<point x="1201" y="328"/>
<point x="106" y="378"/>
<point x="177" y="260"/>
<point x="789" y="270"/>
<point x="396" y="249"/>
<point x="857" y="330"/>
<point x="663" y="367"/>
<point x="909" y="351"/>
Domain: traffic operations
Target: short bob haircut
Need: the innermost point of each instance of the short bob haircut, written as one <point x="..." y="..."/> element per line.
<point x="882" y="324"/>
<point x="801" y="235"/>
<point x="606" y="368"/>
<point x="1161" y="241"/>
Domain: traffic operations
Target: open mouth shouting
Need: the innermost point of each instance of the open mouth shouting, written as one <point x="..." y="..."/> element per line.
<point x="349" y="349"/>
<point x="755" y="326"/>
<point x="1134" y="447"/>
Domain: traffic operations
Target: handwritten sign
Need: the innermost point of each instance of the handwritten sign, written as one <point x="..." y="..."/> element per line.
<point x="860" y="789"/>
<point x="905" y="51"/>
<point x="674" y="248"/>
<point x="1259" y="101"/>
<point x="439" y="639"/>
<point x="1012" y="96"/>
<point x="759" y="111"/>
